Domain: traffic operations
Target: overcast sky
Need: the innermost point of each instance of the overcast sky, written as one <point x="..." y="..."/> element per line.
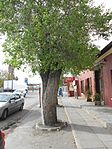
<point x="100" y="43"/>
<point x="106" y="3"/>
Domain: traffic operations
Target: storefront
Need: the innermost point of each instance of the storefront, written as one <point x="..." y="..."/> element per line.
<point x="69" y="82"/>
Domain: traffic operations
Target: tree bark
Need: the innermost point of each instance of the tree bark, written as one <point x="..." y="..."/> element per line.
<point x="49" y="97"/>
<point x="44" y="77"/>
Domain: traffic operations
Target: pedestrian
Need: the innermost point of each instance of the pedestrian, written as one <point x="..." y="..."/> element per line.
<point x="75" y="92"/>
<point x="60" y="92"/>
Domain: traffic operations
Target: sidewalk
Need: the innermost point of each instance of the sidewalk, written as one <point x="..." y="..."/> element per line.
<point x="25" y="136"/>
<point x="89" y="123"/>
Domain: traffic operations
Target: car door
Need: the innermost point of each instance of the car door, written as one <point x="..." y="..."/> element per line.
<point x="12" y="104"/>
<point x="18" y="101"/>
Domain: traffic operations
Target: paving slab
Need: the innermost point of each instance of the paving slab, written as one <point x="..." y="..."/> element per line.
<point x="88" y="132"/>
<point x="25" y="136"/>
<point x="87" y="129"/>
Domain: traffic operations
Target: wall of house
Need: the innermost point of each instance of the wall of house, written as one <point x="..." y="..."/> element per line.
<point x="86" y="79"/>
<point x="107" y="80"/>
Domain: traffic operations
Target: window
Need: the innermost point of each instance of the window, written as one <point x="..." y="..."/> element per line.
<point x="82" y="86"/>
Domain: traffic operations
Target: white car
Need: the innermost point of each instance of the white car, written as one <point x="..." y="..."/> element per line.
<point x="21" y="92"/>
<point x="9" y="103"/>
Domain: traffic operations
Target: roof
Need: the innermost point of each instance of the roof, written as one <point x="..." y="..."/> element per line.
<point x="105" y="49"/>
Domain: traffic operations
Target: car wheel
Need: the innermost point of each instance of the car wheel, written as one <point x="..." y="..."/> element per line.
<point x="21" y="107"/>
<point x="5" y="114"/>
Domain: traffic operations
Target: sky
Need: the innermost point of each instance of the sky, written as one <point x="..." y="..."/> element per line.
<point x="21" y="75"/>
<point x="106" y="3"/>
<point x="101" y="43"/>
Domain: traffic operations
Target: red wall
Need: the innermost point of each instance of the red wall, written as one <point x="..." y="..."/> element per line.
<point x="83" y="77"/>
<point x="107" y="80"/>
<point x="68" y="82"/>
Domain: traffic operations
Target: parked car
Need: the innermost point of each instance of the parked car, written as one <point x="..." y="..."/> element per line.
<point x="21" y="92"/>
<point x="2" y="140"/>
<point x="9" y="103"/>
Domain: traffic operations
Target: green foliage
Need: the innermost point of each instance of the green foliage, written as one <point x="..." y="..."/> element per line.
<point x="52" y="34"/>
<point x="88" y="93"/>
<point x="97" y="97"/>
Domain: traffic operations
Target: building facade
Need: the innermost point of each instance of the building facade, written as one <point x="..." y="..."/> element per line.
<point x="103" y="74"/>
<point x="86" y="82"/>
<point x="100" y="79"/>
<point x="68" y="85"/>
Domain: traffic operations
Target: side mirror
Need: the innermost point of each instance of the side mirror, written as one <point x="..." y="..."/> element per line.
<point x="12" y="100"/>
<point x="17" y="96"/>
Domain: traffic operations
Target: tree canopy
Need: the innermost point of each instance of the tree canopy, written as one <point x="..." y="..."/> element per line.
<point x="52" y="34"/>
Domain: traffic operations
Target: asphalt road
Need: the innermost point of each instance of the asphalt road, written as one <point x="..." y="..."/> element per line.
<point x="31" y="99"/>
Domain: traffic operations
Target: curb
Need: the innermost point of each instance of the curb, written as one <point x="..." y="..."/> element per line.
<point x="78" y="144"/>
<point x="60" y="125"/>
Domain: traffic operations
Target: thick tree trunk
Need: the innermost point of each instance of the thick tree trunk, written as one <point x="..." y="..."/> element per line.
<point x="49" y="97"/>
<point x="44" y="77"/>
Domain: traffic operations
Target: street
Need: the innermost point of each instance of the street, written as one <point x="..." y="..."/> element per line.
<point x="31" y="99"/>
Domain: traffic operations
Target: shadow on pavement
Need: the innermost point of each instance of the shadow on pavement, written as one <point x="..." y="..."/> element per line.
<point x="90" y="129"/>
<point x="76" y="107"/>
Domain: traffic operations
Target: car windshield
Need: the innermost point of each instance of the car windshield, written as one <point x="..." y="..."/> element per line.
<point x="4" y="97"/>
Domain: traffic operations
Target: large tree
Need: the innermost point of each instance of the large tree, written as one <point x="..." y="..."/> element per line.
<point x="52" y="36"/>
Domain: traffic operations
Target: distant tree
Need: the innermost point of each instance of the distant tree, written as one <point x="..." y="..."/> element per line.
<point x="3" y="76"/>
<point x="11" y="72"/>
<point x="52" y="36"/>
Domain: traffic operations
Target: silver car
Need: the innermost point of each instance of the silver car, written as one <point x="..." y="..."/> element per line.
<point x="10" y="103"/>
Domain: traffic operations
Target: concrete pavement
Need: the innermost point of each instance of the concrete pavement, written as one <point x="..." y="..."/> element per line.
<point x="91" y="128"/>
<point x="25" y="136"/>
<point x="89" y="123"/>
